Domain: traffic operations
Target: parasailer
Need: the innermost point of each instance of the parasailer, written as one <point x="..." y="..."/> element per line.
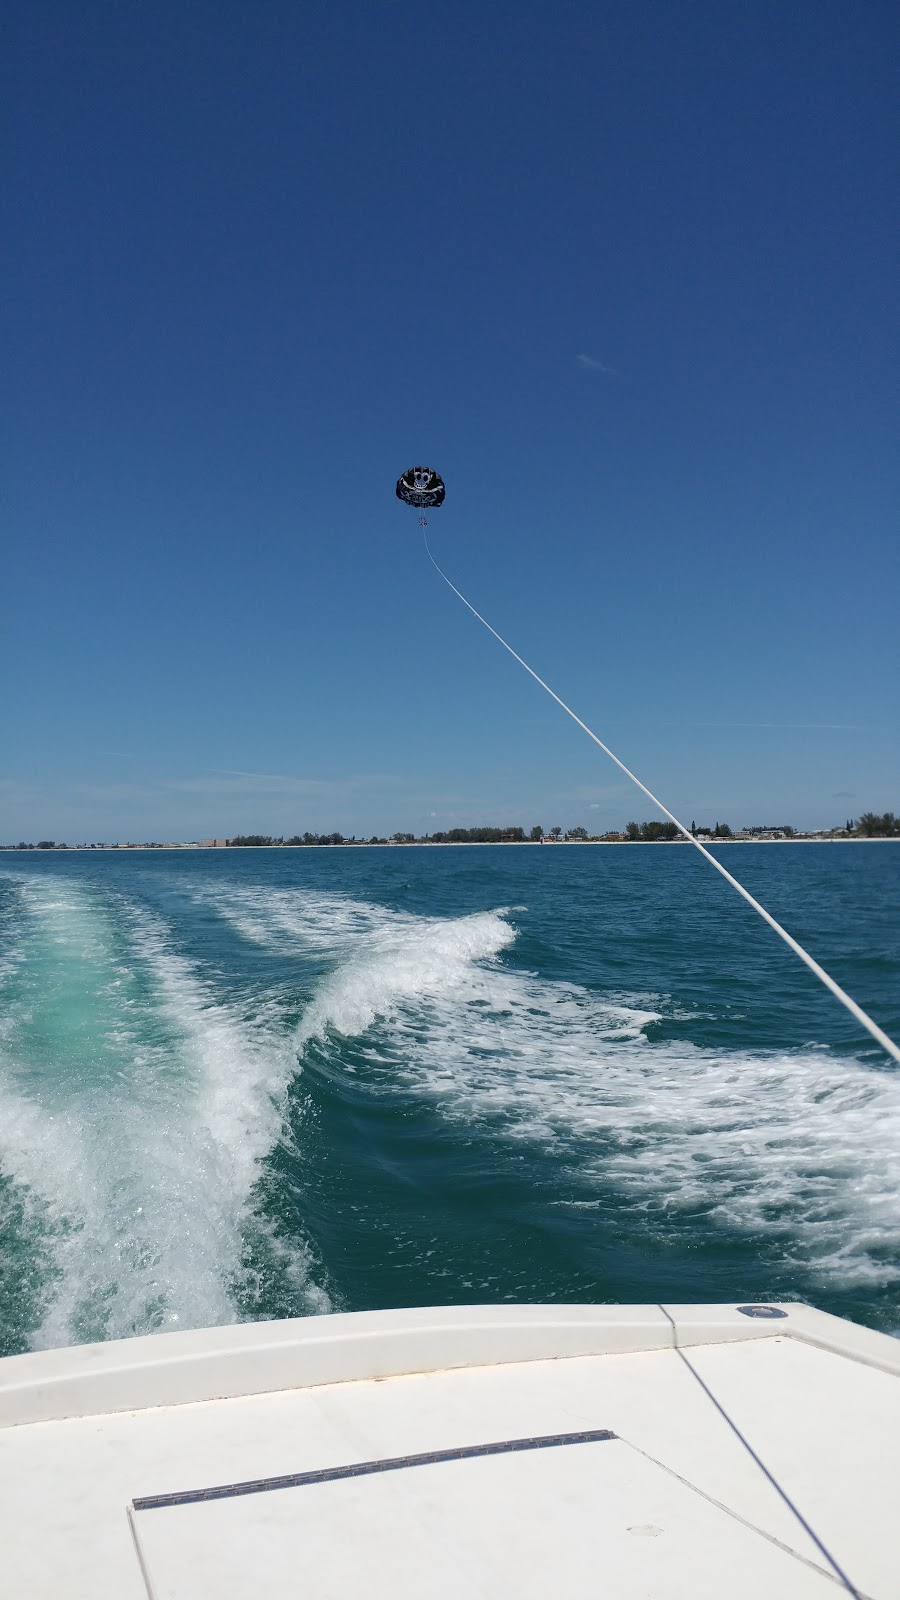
<point x="422" y="488"/>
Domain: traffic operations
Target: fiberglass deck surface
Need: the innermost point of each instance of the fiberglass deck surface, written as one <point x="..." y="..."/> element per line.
<point x="672" y="1506"/>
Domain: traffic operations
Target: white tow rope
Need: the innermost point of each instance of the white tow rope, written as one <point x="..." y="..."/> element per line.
<point x="769" y="1475"/>
<point x="824" y="977"/>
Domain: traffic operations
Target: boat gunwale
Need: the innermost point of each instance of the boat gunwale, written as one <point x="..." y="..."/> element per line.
<point x="245" y="1359"/>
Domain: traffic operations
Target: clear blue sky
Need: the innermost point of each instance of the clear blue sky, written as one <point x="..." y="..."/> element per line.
<point x="624" y="273"/>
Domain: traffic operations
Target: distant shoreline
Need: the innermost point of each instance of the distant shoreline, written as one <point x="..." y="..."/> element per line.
<point x="418" y="844"/>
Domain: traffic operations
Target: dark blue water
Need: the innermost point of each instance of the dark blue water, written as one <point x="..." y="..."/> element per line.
<point x="263" y="1083"/>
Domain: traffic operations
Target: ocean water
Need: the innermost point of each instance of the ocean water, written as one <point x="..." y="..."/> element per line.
<point x="254" y="1083"/>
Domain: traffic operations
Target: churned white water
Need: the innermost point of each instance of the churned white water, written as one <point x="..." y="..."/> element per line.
<point x="143" y="1094"/>
<point x="801" y="1146"/>
<point x="134" y="1110"/>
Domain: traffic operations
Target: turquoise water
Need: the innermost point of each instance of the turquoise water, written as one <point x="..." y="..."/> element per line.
<point x="268" y="1083"/>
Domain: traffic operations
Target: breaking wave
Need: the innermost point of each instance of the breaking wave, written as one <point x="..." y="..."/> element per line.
<point x="800" y="1147"/>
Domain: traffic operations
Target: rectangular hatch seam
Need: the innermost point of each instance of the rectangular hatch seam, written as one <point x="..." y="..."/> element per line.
<point x="364" y="1469"/>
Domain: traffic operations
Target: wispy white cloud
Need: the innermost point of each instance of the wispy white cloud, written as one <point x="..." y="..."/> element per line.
<point x="15" y="792"/>
<point x="835" y="727"/>
<point x="595" y="366"/>
<point x="597" y="792"/>
<point x="227" y="781"/>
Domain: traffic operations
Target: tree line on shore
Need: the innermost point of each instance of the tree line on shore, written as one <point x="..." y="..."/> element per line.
<point x="869" y="826"/>
<point x="887" y="826"/>
<point x="452" y="836"/>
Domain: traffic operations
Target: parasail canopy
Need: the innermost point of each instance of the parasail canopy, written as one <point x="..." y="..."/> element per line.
<point x="421" y="487"/>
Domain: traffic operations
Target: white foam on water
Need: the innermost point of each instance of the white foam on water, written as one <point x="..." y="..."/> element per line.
<point x="298" y="920"/>
<point x="136" y="1138"/>
<point x="401" y="961"/>
<point x="144" y="1171"/>
<point x="801" y="1148"/>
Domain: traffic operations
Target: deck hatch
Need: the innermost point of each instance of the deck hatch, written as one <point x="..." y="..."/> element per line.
<point x="363" y="1469"/>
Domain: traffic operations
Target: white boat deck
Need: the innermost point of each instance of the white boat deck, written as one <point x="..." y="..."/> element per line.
<point x="665" y="1500"/>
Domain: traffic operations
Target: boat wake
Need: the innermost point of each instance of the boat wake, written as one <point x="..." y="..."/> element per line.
<point x="135" y="1109"/>
<point x="142" y="1104"/>
<point x="799" y="1149"/>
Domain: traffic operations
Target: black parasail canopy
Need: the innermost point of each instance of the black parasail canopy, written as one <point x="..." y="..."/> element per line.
<point x="421" y="487"/>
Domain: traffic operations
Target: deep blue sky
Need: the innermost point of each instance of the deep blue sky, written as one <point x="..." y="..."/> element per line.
<point x="625" y="273"/>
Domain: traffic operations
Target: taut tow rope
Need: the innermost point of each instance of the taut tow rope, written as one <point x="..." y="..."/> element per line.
<point x="770" y="1476"/>
<point x="824" y="977"/>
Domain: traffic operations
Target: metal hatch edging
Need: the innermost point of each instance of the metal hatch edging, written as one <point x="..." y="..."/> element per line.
<point x="364" y="1469"/>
